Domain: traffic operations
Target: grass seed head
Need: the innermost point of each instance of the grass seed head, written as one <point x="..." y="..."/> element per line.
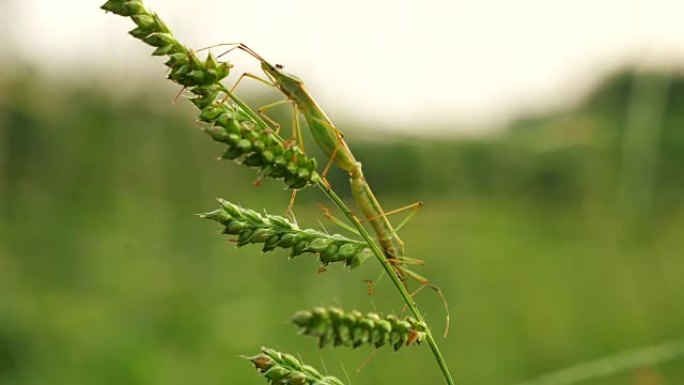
<point x="353" y="329"/>
<point x="247" y="143"/>
<point x="285" y="369"/>
<point x="252" y="147"/>
<point x="274" y="232"/>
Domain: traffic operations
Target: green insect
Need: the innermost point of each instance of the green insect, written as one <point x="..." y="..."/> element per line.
<point x="331" y="141"/>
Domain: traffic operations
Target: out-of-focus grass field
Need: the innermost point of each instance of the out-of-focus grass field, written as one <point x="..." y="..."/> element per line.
<point x="558" y="241"/>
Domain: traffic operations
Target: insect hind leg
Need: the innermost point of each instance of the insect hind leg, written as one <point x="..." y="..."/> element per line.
<point x="425" y="283"/>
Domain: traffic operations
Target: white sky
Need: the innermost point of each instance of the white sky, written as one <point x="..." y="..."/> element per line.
<point x="387" y="63"/>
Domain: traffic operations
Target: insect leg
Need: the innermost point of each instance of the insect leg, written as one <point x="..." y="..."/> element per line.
<point x="398" y="261"/>
<point x="296" y="127"/>
<point x="327" y="213"/>
<point x="251" y="76"/>
<point x="372" y="284"/>
<point x="242" y="76"/>
<point x="426" y="283"/>
<point x="246" y="75"/>
<point x="276" y="125"/>
<point x="414" y="207"/>
<point x="289" y="212"/>
<point x="327" y="166"/>
<point x="296" y="138"/>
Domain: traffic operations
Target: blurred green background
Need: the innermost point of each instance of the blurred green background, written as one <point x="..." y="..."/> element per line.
<point x="557" y="240"/>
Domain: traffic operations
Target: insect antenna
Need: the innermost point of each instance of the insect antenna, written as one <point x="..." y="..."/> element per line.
<point x="241" y="47"/>
<point x="251" y="52"/>
<point x="178" y="95"/>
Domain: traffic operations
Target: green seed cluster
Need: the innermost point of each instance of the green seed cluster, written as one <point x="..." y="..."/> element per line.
<point x="276" y="231"/>
<point x="201" y="77"/>
<point x="248" y="142"/>
<point x="332" y="325"/>
<point x="283" y="368"/>
<point x="257" y="148"/>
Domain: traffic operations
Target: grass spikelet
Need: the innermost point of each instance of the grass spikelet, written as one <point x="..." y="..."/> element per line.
<point x="255" y="148"/>
<point x="285" y="369"/>
<point x="353" y="329"/>
<point x="201" y="77"/>
<point x="274" y="231"/>
<point x="249" y="143"/>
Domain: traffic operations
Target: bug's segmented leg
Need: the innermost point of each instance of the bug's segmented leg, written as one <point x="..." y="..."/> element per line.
<point x="371" y="284"/>
<point x="327" y="167"/>
<point x="414" y="207"/>
<point x="327" y="214"/>
<point x="424" y="282"/>
<point x="296" y="127"/>
<point x="276" y="125"/>
<point x="406" y="261"/>
<point x="290" y="206"/>
<point x="251" y="76"/>
<point x="297" y="137"/>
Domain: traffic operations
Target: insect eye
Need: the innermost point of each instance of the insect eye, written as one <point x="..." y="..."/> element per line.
<point x="279" y="66"/>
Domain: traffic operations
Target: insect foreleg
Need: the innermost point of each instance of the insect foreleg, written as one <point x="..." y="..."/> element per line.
<point x="296" y="127"/>
<point x="251" y="76"/>
<point x="237" y="83"/>
<point x="327" y="166"/>
<point x="290" y="206"/>
<point x="327" y="213"/>
<point x="273" y="122"/>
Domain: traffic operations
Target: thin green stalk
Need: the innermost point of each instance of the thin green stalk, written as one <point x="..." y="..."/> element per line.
<point x="393" y="277"/>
